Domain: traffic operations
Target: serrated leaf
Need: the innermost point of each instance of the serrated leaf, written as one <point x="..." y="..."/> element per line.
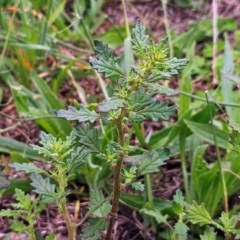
<point x="138" y="186"/>
<point x="181" y="228"/>
<point x="81" y="115"/>
<point x="139" y="99"/>
<point x="228" y="223"/>
<point x="27" y="168"/>
<point x="151" y="212"/>
<point x="157" y="111"/>
<point x="198" y="214"/>
<point x="137" y="118"/>
<point x="108" y="67"/>
<point x="111" y="104"/>
<point x="88" y="137"/>
<point x="103" y="50"/>
<point x="178" y="202"/>
<point x="9" y="213"/>
<point x="18" y="226"/>
<point x="24" y="201"/>
<point x="42" y="185"/>
<point x="163" y="90"/>
<point x="209" y="234"/>
<point x="158" y="75"/>
<point x="98" y="204"/>
<point x="139" y="39"/>
<point x="77" y="158"/>
<point x="152" y="160"/>
<point x="92" y="231"/>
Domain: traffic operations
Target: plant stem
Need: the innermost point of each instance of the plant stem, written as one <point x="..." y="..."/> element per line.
<point x="117" y="175"/>
<point x="71" y="227"/>
<point x="222" y="179"/>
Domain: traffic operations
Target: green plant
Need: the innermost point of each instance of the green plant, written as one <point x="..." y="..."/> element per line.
<point x="132" y="102"/>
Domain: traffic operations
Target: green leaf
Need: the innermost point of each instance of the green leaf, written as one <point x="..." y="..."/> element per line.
<point x="98" y="204"/>
<point x="92" y="231"/>
<point x="18" y="226"/>
<point x="139" y="99"/>
<point x="103" y="50"/>
<point x="111" y="104"/>
<point x="157" y="111"/>
<point x="24" y="201"/>
<point x="88" y="137"/>
<point x="138" y="186"/>
<point x="152" y="160"/>
<point x="209" y="234"/>
<point x="27" y="168"/>
<point x="162" y="90"/>
<point x="178" y="202"/>
<point x="109" y="68"/>
<point x="10" y="213"/>
<point x="77" y="158"/>
<point x="228" y="223"/>
<point x="137" y="118"/>
<point x="139" y="39"/>
<point x="81" y="115"/>
<point x="181" y="228"/>
<point x="44" y="187"/>
<point x="198" y="214"/>
<point x="151" y="212"/>
<point x="205" y="132"/>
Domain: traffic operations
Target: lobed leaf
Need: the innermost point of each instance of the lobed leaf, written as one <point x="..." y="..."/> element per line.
<point x="152" y="160"/>
<point x="92" y="231"/>
<point x="181" y="228"/>
<point x="209" y="234"/>
<point x="103" y="50"/>
<point x="111" y="104"/>
<point x="157" y="111"/>
<point x="198" y="214"/>
<point x="27" y="168"/>
<point x="42" y="185"/>
<point x="139" y="39"/>
<point x="163" y="90"/>
<point x="109" y="68"/>
<point x="81" y="115"/>
<point x="88" y="137"/>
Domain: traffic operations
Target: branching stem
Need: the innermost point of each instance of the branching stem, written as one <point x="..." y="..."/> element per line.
<point x="117" y="175"/>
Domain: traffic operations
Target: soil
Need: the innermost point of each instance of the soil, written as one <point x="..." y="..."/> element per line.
<point x="129" y="224"/>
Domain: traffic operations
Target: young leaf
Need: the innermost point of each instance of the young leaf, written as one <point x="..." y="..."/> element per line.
<point x="138" y="186"/>
<point x="9" y="213"/>
<point x="157" y="111"/>
<point x="98" y="204"/>
<point x="18" y="226"/>
<point x="150" y="211"/>
<point x="102" y="50"/>
<point x="209" y="234"/>
<point x="42" y="185"/>
<point x="162" y="90"/>
<point x="152" y="160"/>
<point x="88" y="137"/>
<point x="111" y="104"/>
<point x="81" y="115"/>
<point x="228" y="223"/>
<point x="139" y="39"/>
<point x="109" y="68"/>
<point x="178" y="202"/>
<point x="198" y="214"/>
<point x="139" y="99"/>
<point x="181" y="228"/>
<point x="92" y="231"/>
<point x="27" y="168"/>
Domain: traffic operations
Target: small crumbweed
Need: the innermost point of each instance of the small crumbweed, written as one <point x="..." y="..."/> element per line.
<point x="132" y="102"/>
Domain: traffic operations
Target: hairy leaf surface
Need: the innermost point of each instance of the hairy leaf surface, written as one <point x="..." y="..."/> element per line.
<point x="81" y="115"/>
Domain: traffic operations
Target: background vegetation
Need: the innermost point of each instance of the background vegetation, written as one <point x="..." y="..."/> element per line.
<point x="45" y="49"/>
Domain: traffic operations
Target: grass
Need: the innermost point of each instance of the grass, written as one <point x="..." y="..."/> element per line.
<point x="45" y="48"/>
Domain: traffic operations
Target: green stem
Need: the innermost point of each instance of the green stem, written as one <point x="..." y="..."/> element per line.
<point x="222" y="179"/>
<point x="126" y="19"/>
<point x="117" y="175"/>
<point x="71" y="227"/>
<point x="184" y="166"/>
